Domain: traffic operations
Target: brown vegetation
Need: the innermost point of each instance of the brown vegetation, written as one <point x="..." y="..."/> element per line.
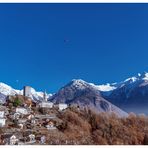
<point x="18" y="100"/>
<point x="79" y="127"/>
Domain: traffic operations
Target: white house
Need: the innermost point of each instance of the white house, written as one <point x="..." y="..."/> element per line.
<point x="32" y="137"/>
<point x="43" y="140"/>
<point x="21" y="126"/>
<point x="31" y="116"/>
<point x="62" y="106"/>
<point x="16" y="115"/>
<point x="22" y="110"/>
<point x="50" y="126"/>
<point x="13" y="140"/>
<point x="34" y="121"/>
<point x="2" y="122"/>
<point x="22" y="121"/>
<point x="2" y="114"/>
<point x="45" y="104"/>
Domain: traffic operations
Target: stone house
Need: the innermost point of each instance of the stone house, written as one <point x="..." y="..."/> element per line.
<point x="13" y="140"/>
<point x="62" y="106"/>
<point x="32" y="137"/>
<point x="45" y="104"/>
<point x="43" y="140"/>
<point x="16" y="115"/>
<point x="34" y="121"/>
<point x="22" y="110"/>
<point x="2" y="114"/>
<point x="50" y="125"/>
<point x="22" y="121"/>
<point x="2" y="122"/>
<point x="30" y="117"/>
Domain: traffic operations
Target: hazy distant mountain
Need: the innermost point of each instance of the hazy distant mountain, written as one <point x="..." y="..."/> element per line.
<point x="131" y="94"/>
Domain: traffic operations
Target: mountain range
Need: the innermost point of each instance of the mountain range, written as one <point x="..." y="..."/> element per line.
<point x="130" y="95"/>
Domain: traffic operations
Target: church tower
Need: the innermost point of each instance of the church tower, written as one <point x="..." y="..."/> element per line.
<point x="45" y="96"/>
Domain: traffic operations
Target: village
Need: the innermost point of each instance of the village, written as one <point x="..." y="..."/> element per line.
<point x="24" y="122"/>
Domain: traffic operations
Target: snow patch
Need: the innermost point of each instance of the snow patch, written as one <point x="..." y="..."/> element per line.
<point x="106" y="87"/>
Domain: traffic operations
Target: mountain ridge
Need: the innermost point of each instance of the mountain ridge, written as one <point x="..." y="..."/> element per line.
<point x="125" y="94"/>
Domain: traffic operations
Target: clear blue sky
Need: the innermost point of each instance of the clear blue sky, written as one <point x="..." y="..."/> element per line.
<point x="47" y="45"/>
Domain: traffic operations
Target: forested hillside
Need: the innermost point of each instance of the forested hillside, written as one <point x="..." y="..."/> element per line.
<point x="87" y="127"/>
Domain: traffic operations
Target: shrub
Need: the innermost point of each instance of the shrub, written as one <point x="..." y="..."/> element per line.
<point x="17" y="102"/>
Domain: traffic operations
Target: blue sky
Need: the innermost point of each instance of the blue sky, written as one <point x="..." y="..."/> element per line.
<point x="47" y="45"/>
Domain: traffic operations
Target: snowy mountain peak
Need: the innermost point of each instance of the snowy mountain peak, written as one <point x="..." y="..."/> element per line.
<point x="139" y="74"/>
<point x="105" y="87"/>
<point x="81" y="84"/>
<point x="4" y="85"/>
<point x="132" y="79"/>
<point x="137" y="78"/>
<point x="129" y="82"/>
<point x="78" y="81"/>
<point x="7" y="90"/>
<point x="144" y="76"/>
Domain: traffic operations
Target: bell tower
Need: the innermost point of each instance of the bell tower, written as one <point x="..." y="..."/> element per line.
<point x="45" y="96"/>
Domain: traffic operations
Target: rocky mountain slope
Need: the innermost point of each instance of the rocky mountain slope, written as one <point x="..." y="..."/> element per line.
<point x="85" y="95"/>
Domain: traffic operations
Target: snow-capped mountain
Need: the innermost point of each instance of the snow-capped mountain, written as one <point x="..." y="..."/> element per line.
<point x="85" y="95"/>
<point x="130" y="95"/>
<point x="6" y="90"/>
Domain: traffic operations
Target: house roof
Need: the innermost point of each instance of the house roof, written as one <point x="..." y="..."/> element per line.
<point x="32" y="136"/>
<point x="13" y="137"/>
